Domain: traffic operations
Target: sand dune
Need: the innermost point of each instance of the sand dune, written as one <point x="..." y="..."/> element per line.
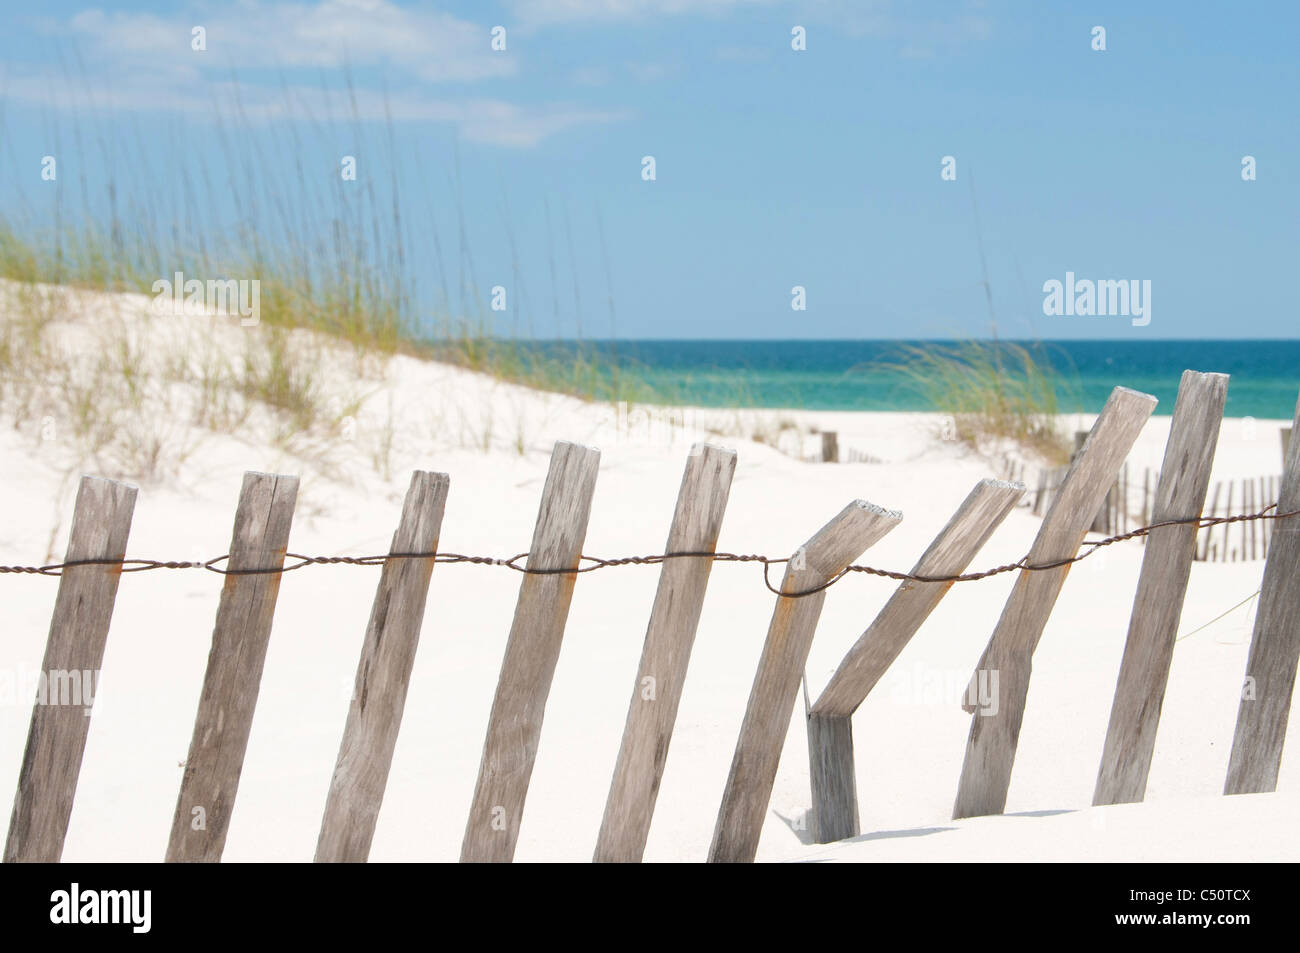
<point x="494" y="440"/>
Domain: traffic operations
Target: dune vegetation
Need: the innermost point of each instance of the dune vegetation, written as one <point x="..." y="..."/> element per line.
<point x="992" y="391"/>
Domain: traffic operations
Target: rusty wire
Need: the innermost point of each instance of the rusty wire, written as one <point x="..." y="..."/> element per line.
<point x="594" y="562"/>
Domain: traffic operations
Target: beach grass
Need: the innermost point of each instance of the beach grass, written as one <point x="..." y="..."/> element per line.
<point x="991" y="390"/>
<point x="329" y="255"/>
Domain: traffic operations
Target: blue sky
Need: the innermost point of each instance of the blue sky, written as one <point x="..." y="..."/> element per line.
<point x="774" y="167"/>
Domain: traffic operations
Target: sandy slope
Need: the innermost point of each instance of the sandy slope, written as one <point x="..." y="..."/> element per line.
<point x="910" y="734"/>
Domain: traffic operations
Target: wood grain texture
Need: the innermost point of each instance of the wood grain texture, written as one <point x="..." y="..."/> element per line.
<point x="74" y="654"/>
<point x="234" y="673"/>
<point x="657" y="691"/>
<point x="830" y="750"/>
<point x="515" y="724"/>
<point x="1162" y="587"/>
<point x="832" y="772"/>
<point x="383" y="674"/>
<point x="776" y="683"/>
<point x="1274" y="650"/>
<point x="951" y="552"/>
<point x="991" y="748"/>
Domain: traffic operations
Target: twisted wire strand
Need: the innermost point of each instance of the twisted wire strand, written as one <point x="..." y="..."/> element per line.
<point x="592" y="563"/>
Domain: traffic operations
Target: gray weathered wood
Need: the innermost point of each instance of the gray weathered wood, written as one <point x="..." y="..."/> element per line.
<point x="776" y="683"/>
<point x="1103" y="523"/>
<point x="830" y="748"/>
<point x="991" y="748"/>
<point x="1162" y="586"/>
<point x="1274" y="650"/>
<point x="830" y="447"/>
<point x="1285" y="434"/>
<point x="383" y="674"/>
<point x="670" y="635"/>
<point x="966" y="532"/>
<point x="74" y="653"/>
<point x="234" y="673"/>
<point x="515" y="724"/>
<point x="832" y="773"/>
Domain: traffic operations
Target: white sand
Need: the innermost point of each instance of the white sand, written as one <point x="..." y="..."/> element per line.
<point x="910" y="733"/>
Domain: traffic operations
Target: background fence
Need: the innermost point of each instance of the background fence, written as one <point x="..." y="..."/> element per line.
<point x="252" y="570"/>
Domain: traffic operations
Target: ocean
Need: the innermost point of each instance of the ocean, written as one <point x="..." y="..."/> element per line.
<point x="848" y="375"/>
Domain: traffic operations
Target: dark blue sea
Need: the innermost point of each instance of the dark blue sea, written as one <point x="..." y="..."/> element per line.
<point x="856" y="375"/>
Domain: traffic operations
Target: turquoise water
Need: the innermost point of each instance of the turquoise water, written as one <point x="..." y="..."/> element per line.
<point x="839" y="375"/>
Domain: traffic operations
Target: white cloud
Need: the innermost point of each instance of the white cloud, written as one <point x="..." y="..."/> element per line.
<point x="561" y="11"/>
<point x="146" y="63"/>
<point x="434" y="46"/>
<point x="918" y="29"/>
<point x="484" y="120"/>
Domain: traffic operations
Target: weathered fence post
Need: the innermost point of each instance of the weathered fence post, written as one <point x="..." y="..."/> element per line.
<point x="1162" y="586"/>
<point x="830" y="731"/>
<point x="69" y="678"/>
<point x="670" y="635"/>
<point x="1103" y="522"/>
<point x="830" y="447"/>
<point x="234" y="672"/>
<point x="515" y="724"/>
<point x="1274" y="650"/>
<point x="383" y="674"/>
<point x="991" y="748"/>
<point x="776" y="683"/>
<point x="1286" y="444"/>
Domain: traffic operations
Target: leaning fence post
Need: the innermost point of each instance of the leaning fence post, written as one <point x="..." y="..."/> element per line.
<point x="1274" y="650"/>
<point x="830" y="732"/>
<point x="383" y="674"/>
<point x="234" y="672"/>
<point x="69" y="679"/>
<point x="830" y="446"/>
<point x="515" y="724"/>
<point x="991" y="748"/>
<point x="1103" y="522"/>
<point x="1162" y="586"/>
<point x="701" y="501"/>
<point x="776" y="683"/>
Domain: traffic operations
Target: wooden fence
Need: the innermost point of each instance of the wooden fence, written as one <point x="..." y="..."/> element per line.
<point x="1129" y="505"/>
<point x="831" y="451"/>
<point x="208" y="790"/>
